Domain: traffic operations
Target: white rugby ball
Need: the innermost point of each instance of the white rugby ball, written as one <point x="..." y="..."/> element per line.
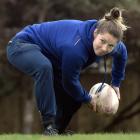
<point x="106" y="100"/>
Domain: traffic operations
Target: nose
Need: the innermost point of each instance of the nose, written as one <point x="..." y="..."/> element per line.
<point x="105" y="48"/>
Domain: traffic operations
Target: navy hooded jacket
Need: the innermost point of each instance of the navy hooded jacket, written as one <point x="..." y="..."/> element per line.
<point x="68" y="45"/>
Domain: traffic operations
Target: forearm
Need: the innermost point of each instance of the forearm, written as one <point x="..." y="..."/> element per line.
<point x="75" y="89"/>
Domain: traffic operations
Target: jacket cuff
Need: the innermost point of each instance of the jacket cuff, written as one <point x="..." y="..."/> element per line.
<point x="116" y="83"/>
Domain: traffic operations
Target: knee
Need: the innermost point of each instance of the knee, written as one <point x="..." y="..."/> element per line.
<point x="45" y="68"/>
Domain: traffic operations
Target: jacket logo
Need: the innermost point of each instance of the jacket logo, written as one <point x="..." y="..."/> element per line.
<point x="77" y="41"/>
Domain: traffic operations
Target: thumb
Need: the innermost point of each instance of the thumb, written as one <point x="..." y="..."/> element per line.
<point x="118" y="95"/>
<point x="117" y="91"/>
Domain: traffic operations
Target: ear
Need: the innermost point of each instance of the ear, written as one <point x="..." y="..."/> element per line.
<point x="95" y="33"/>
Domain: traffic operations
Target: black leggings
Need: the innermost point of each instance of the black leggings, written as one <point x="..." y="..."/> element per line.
<point x="66" y="106"/>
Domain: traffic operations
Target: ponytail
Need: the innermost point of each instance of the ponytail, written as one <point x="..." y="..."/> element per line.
<point x="112" y="23"/>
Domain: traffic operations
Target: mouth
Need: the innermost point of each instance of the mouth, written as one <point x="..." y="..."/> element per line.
<point x="100" y="53"/>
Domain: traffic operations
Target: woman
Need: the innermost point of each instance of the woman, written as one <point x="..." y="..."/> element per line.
<point x="54" y="53"/>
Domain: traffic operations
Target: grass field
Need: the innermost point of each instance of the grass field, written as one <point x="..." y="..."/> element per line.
<point x="73" y="137"/>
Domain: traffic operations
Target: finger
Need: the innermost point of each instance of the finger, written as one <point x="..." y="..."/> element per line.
<point x="118" y="95"/>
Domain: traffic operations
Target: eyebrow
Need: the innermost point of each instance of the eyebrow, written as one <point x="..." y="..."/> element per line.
<point x="107" y="41"/>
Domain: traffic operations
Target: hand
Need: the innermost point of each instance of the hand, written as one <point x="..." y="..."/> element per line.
<point x="117" y="90"/>
<point x="92" y="104"/>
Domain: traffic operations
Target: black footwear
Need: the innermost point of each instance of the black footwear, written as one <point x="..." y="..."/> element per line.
<point x="68" y="132"/>
<point x="50" y="131"/>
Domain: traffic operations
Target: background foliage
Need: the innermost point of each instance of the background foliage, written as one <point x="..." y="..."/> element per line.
<point x="16" y="96"/>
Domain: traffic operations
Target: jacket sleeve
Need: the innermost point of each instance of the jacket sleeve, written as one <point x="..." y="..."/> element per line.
<point x="71" y="67"/>
<point x="119" y="64"/>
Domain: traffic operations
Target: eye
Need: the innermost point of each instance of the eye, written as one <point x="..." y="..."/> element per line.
<point x="111" y="46"/>
<point x="103" y="41"/>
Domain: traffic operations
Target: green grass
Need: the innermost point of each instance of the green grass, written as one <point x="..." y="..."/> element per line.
<point x="73" y="137"/>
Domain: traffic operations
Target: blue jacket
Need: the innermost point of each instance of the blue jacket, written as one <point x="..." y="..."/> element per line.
<point x="68" y="45"/>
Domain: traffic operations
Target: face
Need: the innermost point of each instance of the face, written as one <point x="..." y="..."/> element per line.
<point x="103" y="43"/>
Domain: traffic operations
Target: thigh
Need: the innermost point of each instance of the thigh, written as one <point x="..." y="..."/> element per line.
<point x="26" y="57"/>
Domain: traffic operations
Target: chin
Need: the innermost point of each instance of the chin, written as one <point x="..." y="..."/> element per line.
<point x="99" y="54"/>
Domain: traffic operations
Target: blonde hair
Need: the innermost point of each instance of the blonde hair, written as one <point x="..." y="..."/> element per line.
<point x="112" y="23"/>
